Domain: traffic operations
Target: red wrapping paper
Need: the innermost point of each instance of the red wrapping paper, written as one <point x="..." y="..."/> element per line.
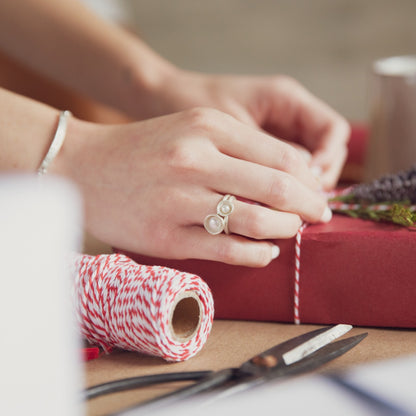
<point x="353" y="170"/>
<point x="351" y="271"/>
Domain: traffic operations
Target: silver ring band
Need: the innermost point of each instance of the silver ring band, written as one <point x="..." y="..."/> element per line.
<point x="217" y="223"/>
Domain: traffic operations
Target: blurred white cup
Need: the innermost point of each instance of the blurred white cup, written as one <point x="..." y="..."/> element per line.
<point x="392" y="144"/>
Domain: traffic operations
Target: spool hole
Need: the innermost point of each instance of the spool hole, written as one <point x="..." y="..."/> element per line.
<point x="186" y="318"/>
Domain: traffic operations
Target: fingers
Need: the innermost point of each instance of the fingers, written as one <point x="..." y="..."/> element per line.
<point x="211" y="154"/>
<point x="311" y="122"/>
<point x="270" y="187"/>
<point x="331" y="154"/>
<point x="230" y="249"/>
<point x="243" y="142"/>
<point x="250" y="164"/>
<point x="259" y="222"/>
<point x="328" y="134"/>
<point x="247" y="219"/>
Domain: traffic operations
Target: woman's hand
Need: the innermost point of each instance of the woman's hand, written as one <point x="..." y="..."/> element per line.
<point x="149" y="185"/>
<point x="278" y="105"/>
<point x="115" y="67"/>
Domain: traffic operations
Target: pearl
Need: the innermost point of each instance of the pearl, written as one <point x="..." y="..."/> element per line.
<point x="214" y="224"/>
<point x="217" y="223"/>
<point x="225" y="208"/>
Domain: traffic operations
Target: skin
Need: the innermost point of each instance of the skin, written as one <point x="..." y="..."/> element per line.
<point x="148" y="185"/>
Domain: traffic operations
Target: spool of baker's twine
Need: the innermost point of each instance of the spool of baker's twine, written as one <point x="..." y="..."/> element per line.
<point x="149" y="309"/>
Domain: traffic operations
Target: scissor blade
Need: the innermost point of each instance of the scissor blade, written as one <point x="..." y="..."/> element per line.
<point x="327" y="353"/>
<point x="315" y="343"/>
<point x="308" y="364"/>
<point x="301" y="346"/>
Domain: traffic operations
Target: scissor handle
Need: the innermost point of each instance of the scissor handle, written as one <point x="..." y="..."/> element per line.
<point x="115" y="386"/>
<point x="215" y="379"/>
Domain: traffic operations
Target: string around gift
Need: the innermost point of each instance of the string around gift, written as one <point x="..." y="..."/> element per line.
<point x="390" y="198"/>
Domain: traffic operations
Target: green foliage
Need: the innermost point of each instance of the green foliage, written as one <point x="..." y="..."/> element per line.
<point x="398" y="212"/>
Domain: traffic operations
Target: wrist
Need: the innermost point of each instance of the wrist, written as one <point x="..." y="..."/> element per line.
<point x="146" y="79"/>
<point x="70" y="162"/>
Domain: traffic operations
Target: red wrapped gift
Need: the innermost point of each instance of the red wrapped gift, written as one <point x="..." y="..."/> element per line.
<point x="353" y="170"/>
<point x="351" y="271"/>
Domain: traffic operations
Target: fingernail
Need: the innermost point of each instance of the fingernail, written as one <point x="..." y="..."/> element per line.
<point x="316" y="171"/>
<point x="306" y="155"/>
<point x="275" y="252"/>
<point x="327" y="215"/>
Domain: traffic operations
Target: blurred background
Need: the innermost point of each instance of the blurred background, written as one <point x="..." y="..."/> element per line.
<point x="328" y="45"/>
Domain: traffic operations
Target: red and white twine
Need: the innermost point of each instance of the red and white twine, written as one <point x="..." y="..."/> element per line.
<point x="296" y="304"/>
<point x="122" y="304"/>
<point x="343" y="206"/>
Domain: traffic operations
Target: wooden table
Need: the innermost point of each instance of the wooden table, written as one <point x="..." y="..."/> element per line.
<point x="230" y="344"/>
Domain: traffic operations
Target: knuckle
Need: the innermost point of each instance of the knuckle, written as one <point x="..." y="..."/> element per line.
<point x="290" y="159"/>
<point x="293" y="224"/>
<point x="286" y="81"/>
<point x="256" y="224"/>
<point x="201" y="118"/>
<point x="256" y="255"/>
<point x="346" y="129"/>
<point x="229" y="253"/>
<point x="181" y="157"/>
<point x="279" y="190"/>
<point x="261" y="255"/>
<point x="161" y="239"/>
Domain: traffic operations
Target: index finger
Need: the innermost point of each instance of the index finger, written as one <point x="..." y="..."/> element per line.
<point x="247" y="143"/>
<point x="323" y="130"/>
<point x="311" y="122"/>
<point x="331" y="154"/>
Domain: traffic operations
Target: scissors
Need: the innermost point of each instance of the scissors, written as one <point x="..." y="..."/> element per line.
<point x="295" y="356"/>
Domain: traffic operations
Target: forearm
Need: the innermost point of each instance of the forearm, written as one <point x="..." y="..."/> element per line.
<point x="73" y="46"/>
<point x="26" y="130"/>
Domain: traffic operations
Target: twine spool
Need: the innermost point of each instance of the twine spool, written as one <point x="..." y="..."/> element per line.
<point x="149" y="309"/>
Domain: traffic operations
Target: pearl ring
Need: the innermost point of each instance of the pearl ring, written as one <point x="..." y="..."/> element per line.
<point x="217" y="223"/>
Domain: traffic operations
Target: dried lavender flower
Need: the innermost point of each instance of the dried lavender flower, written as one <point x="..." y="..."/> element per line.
<point x="396" y="187"/>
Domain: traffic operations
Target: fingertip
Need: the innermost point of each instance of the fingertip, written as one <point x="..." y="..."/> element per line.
<point x="275" y="251"/>
<point x="327" y="215"/>
<point x="316" y="171"/>
<point x="307" y="156"/>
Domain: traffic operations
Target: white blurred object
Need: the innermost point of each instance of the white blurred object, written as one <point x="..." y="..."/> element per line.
<point x="113" y="10"/>
<point x="392" y="144"/>
<point x="40" y="223"/>
<point x="392" y="382"/>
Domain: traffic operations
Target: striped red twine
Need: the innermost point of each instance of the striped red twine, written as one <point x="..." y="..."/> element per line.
<point x="297" y="274"/>
<point x="343" y="206"/>
<point x="122" y="304"/>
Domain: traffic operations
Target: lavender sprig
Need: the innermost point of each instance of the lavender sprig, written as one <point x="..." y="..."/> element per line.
<point x="390" y="198"/>
<point x="400" y="186"/>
